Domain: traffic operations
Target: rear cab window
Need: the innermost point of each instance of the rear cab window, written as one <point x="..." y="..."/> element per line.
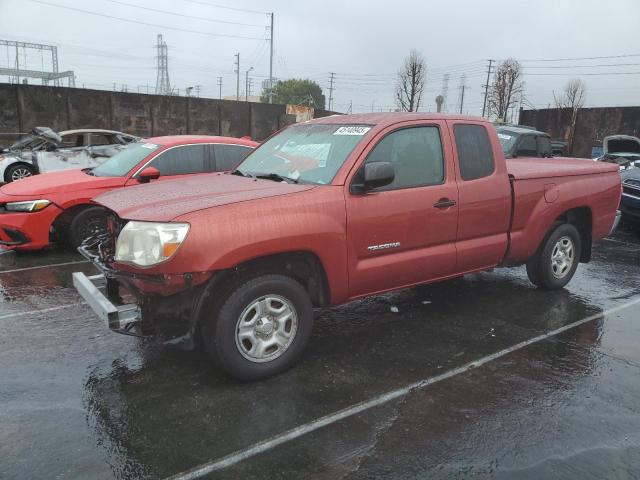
<point x="475" y="154"/>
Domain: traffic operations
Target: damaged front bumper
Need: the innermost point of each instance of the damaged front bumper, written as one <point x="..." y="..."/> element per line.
<point x="140" y="304"/>
<point x="119" y="318"/>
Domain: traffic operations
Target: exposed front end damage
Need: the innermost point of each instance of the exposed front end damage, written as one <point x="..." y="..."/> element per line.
<point x="139" y="304"/>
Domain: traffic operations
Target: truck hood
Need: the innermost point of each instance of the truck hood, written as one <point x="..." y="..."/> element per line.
<point x="163" y="201"/>
<point x="58" y="182"/>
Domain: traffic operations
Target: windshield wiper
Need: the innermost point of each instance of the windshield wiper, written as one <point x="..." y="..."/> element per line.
<point x="276" y="177"/>
<point x="242" y="174"/>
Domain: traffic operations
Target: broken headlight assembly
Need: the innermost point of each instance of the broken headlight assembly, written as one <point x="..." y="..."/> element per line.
<point x="28" y="206"/>
<point x="148" y="243"/>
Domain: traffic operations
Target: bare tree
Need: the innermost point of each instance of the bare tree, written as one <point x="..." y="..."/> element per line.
<point x="572" y="98"/>
<point x="506" y="89"/>
<point x="410" y="84"/>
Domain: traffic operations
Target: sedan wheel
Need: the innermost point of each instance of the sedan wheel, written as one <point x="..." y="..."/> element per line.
<point x="19" y="172"/>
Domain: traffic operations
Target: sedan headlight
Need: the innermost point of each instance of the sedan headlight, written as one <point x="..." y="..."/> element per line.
<point x="28" y="206"/>
<point x="148" y="243"/>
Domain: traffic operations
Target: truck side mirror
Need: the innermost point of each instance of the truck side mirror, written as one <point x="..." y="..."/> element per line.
<point x="148" y="174"/>
<point x="372" y="175"/>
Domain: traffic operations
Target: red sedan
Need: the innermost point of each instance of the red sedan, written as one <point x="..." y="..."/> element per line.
<point x="57" y="206"/>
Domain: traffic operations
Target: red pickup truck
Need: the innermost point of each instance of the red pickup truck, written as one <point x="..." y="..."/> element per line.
<point x="329" y="211"/>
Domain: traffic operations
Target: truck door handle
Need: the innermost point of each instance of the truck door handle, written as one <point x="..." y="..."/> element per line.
<point x="444" y="203"/>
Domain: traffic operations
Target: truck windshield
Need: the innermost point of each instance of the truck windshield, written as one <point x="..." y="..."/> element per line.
<point x="305" y="153"/>
<point x="124" y="161"/>
<point x="507" y="140"/>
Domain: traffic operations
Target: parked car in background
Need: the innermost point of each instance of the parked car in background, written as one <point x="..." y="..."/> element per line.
<point x="524" y="142"/>
<point x="630" y="202"/>
<point x="623" y="150"/>
<point x="332" y="210"/>
<point x="57" y="206"/>
<point x="45" y="150"/>
<point x="558" y="148"/>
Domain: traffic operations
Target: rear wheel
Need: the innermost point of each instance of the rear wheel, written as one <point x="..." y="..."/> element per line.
<point x="89" y="222"/>
<point x="555" y="263"/>
<point x="19" y="171"/>
<point x="260" y="327"/>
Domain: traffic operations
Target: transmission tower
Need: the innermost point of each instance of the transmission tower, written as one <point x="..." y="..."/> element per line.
<point x="163" y="87"/>
<point x="445" y="90"/>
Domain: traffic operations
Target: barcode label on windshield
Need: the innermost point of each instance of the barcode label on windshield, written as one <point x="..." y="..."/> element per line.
<point x="354" y="130"/>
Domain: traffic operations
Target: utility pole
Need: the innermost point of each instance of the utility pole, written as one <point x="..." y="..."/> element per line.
<point x="331" y="89"/>
<point x="271" y="62"/>
<point x="220" y="87"/>
<point x="246" y="84"/>
<point x="350" y="111"/>
<point x="237" y="70"/>
<point x="486" y="88"/>
<point x="463" y="86"/>
<point x="373" y="102"/>
<point x="198" y="87"/>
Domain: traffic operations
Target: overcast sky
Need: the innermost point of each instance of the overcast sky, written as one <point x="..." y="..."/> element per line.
<point x="362" y="41"/>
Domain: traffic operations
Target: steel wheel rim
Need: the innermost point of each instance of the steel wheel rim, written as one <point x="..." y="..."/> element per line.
<point x="562" y="257"/>
<point x="266" y="328"/>
<point x="19" y="173"/>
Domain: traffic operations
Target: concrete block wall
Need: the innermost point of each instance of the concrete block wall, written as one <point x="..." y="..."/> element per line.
<point x="23" y="107"/>
<point x="592" y="125"/>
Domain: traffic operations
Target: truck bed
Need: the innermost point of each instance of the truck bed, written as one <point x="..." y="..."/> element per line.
<point x="528" y="168"/>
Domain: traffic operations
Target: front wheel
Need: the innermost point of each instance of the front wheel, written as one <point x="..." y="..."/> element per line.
<point x="556" y="261"/>
<point x="261" y="328"/>
<point x="89" y="222"/>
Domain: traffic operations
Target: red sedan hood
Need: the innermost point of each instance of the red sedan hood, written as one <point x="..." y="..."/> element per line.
<point x="58" y="182"/>
<point x="162" y="201"/>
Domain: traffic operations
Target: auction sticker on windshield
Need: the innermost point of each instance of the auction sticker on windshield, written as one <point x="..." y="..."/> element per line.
<point x="149" y="145"/>
<point x="352" y="130"/>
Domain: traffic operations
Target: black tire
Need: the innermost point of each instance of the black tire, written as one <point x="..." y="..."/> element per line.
<point x="541" y="269"/>
<point x="220" y="326"/>
<point x="18" y="171"/>
<point x="90" y="221"/>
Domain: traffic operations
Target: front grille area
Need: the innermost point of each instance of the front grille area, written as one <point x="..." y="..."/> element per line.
<point x="631" y="187"/>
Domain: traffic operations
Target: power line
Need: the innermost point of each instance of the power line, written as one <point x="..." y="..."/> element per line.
<point x="585" y="66"/>
<point x="582" y="58"/>
<point x="226" y="8"/>
<point x="177" y="29"/>
<point x="582" y="74"/>
<point x="193" y="17"/>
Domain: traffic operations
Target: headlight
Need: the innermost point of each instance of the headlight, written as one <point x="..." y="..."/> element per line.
<point x="148" y="243"/>
<point x="29" y="206"/>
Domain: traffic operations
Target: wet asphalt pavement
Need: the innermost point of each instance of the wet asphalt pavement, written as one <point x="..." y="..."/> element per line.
<point x="77" y="401"/>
